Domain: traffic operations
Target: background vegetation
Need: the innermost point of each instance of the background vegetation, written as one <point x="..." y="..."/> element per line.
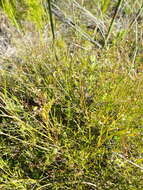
<point x="71" y="107"/>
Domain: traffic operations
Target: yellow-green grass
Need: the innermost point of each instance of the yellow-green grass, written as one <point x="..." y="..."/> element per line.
<point x="73" y="119"/>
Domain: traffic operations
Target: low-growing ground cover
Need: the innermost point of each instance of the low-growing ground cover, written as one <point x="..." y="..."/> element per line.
<point x="71" y="113"/>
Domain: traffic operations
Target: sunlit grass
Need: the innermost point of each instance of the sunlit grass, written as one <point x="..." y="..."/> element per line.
<point x="71" y="118"/>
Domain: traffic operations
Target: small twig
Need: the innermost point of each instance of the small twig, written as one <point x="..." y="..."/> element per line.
<point x="61" y="16"/>
<point x="129" y="161"/>
<point x="91" y="184"/>
<point x="98" y="22"/>
<point x="79" y="46"/>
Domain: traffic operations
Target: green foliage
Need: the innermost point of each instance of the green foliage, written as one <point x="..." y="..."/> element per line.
<point x="105" y="5"/>
<point x="35" y="12"/>
<point x="71" y="116"/>
<point x="28" y="10"/>
<point x="10" y="8"/>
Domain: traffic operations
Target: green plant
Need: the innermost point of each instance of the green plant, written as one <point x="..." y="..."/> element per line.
<point x="72" y="118"/>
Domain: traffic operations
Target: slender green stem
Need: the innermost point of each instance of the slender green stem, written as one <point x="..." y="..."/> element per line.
<point x="51" y="18"/>
<point x="136" y="17"/>
<point x="112" y="22"/>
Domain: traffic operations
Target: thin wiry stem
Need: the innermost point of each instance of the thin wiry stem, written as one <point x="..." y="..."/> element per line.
<point x="25" y="142"/>
<point x="90" y="184"/>
<point x="112" y="22"/>
<point x="129" y="161"/>
<point x="58" y="13"/>
<point x="98" y="22"/>
<point x="136" y="17"/>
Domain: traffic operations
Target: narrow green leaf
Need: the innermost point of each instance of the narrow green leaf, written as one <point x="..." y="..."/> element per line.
<point x="105" y="5"/>
<point x="112" y="22"/>
<point x="51" y="18"/>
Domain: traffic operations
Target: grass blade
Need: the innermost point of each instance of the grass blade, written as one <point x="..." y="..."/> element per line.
<point x="51" y="18"/>
<point x="105" y="5"/>
<point x="112" y="22"/>
<point x="136" y="17"/>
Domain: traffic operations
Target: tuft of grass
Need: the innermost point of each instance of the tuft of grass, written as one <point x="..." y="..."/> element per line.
<point x="62" y="124"/>
<point x="71" y="117"/>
